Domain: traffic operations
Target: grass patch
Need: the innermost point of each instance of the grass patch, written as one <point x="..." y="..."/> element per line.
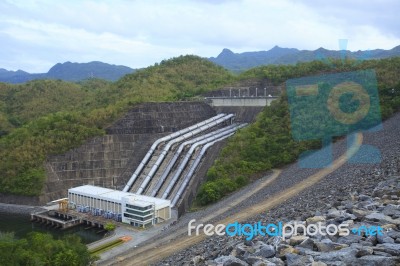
<point x="107" y="246"/>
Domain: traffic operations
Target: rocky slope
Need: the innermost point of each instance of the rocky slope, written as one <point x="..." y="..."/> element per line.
<point x="381" y="208"/>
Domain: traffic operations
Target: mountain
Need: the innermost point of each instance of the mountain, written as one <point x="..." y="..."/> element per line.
<point x="238" y="62"/>
<point x="69" y="72"/>
<point x="18" y="76"/>
<point x="79" y="71"/>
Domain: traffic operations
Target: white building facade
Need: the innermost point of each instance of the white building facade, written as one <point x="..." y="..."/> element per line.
<point x="137" y="210"/>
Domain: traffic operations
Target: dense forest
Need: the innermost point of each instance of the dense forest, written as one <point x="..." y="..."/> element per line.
<point x="43" y="249"/>
<point x="45" y="117"/>
<point x="269" y="142"/>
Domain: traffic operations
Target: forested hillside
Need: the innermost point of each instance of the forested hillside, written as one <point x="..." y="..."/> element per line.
<point x="268" y="142"/>
<point x="45" y="117"/>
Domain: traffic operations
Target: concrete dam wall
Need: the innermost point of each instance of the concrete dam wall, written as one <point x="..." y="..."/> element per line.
<point x="110" y="160"/>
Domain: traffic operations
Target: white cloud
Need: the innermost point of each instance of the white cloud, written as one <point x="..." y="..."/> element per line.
<point x="34" y="35"/>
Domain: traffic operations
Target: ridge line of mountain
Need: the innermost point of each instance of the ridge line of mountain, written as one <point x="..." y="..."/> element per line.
<point x="238" y="62"/>
<point x="235" y="62"/>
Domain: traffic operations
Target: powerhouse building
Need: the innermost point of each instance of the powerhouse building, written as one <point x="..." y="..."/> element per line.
<point x="137" y="210"/>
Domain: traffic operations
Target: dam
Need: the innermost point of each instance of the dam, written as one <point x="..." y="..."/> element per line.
<point x="175" y="167"/>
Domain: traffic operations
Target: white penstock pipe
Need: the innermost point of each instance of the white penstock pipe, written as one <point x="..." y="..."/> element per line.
<point x="178" y="152"/>
<point x="189" y="155"/>
<point x="193" y="168"/>
<point x="167" y="147"/>
<point x="157" y="142"/>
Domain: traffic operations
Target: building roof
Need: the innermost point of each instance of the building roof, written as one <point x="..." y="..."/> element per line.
<point x="141" y="200"/>
<point x="89" y="189"/>
<point x="117" y="195"/>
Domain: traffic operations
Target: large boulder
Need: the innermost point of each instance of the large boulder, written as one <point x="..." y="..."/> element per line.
<point x="230" y="261"/>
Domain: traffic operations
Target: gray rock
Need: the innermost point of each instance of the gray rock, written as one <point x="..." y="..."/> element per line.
<point x="318" y="263"/>
<point x="393" y="234"/>
<point x="266" y="251"/>
<point x="337" y="263"/>
<point x="346" y="255"/>
<point x="362" y="250"/>
<point x="257" y="245"/>
<point x="252" y="260"/>
<point x="372" y="239"/>
<point x="384" y="238"/>
<point x="381" y="253"/>
<point x="391" y="210"/>
<point x="198" y="260"/>
<point x="348" y="240"/>
<point x="326" y="246"/>
<point x="386" y="187"/>
<point x="366" y="243"/>
<point x="319" y="237"/>
<point x="371" y="260"/>
<point x="296" y="240"/>
<point x="334" y="213"/>
<point x="349" y="206"/>
<point x="248" y="243"/>
<point x="276" y="261"/>
<point x="387" y="240"/>
<point x="308" y="243"/>
<point x="298" y="260"/>
<point x="230" y="261"/>
<point x="349" y="216"/>
<point x="241" y="251"/>
<point x="283" y="249"/>
<point x="306" y="251"/>
<point x="265" y="263"/>
<point x="211" y="263"/>
<point x="372" y="206"/>
<point x="275" y="240"/>
<point x="363" y="197"/>
<point x="381" y="218"/>
<point x="392" y="249"/>
<point x="316" y="219"/>
<point x="360" y="213"/>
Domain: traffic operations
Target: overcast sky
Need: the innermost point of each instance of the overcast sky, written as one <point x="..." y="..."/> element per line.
<point x="35" y="35"/>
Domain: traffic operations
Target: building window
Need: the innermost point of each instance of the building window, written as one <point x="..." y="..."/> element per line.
<point x="149" y="217"/>
<point x="139" y="208"/>
<point x="144" y="213"/>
